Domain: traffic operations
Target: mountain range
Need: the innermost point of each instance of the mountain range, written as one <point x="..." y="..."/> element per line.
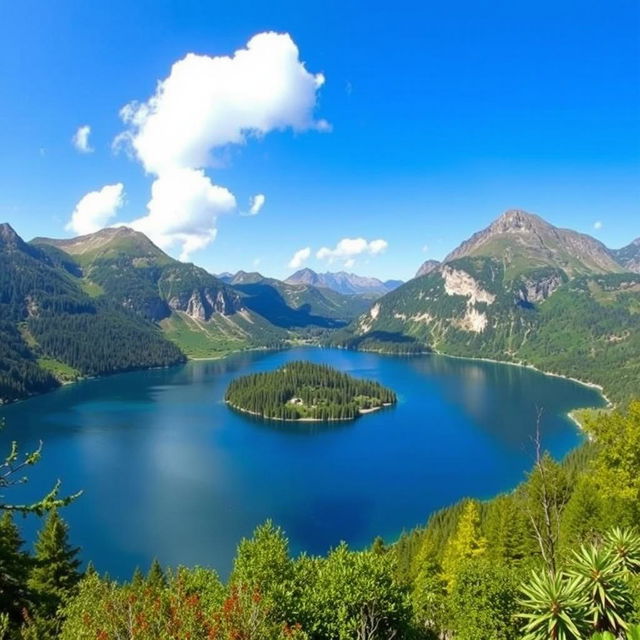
<point x="520" y="290"/>
<point x="112" y="301"/>
<point x="343" y="282"/>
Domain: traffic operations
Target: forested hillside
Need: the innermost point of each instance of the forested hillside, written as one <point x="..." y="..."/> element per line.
<point x="520" y="291"/>
<point x="53" y="330"/>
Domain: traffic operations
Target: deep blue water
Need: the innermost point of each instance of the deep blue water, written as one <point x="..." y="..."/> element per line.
<point x="168" y="471"/>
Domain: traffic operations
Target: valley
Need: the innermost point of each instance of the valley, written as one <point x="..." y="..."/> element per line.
<point x="519" y="291"/>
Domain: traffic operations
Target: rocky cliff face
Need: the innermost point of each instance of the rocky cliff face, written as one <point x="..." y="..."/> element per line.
<point x="201" y="304"/>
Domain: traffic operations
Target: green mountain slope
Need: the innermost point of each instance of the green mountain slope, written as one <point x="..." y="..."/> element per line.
<point x="520" y="291"/>
<point x="203" y="315"/>
<point x="52" y="329"/>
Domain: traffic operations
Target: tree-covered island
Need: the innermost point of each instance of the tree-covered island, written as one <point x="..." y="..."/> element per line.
<point x="307" y="391"/>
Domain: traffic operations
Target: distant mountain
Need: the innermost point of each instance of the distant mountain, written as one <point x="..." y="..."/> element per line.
<point x="427" y="267"/>
<point x="52" y="329"/>
<point x="629" y="256"/>
<point x="225" y="276"/>
<point x="519" y="290"/>
<point x="343" y="282"/>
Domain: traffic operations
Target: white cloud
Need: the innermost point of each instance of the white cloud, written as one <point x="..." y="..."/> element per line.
<point x="348" y="248"/>
<point x="80" y="139"/>
<point x="96" y="208"/>
<point x="425" y="248"/>
<point x="205" y="104"/>
<point x="300" y="257"/>
<point x="183" y="210"/>
<point x="256" y="203"/>
<point x="597" y="225"/>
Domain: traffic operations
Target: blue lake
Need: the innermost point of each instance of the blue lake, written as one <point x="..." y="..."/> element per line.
<point x="168" y="471"/>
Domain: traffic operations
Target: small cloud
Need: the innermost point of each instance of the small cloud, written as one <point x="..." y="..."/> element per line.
<point x="425" y="248"/>
<point x="348" y="87"/>
<point x="256" y="262"/>
<point x="597" y="225"/>
<point x="42" y="151"/>
<point x="256" y="203"/>
<point x="348" y="248"/>
<point x="300" y="257"/>
<point x="96" y="208"/>
<point x="80" y="139"/>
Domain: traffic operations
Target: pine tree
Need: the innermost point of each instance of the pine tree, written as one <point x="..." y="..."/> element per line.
<point x="14" y="569"/>
<point x="466" y="544"/>
<point x="55" y="573"/>
<point x="156" y="578"/>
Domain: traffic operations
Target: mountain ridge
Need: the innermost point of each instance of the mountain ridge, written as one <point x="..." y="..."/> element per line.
<point x="342" y="282"/>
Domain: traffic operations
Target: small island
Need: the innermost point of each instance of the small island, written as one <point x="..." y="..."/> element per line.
<point x="307" y="392"/>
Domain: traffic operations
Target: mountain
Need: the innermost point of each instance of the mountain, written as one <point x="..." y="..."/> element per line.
<point x="427" y="267"/>
<point x="629" y="256"/>
<point x="520" y="290"/>
<point x="525" y="241"/>
<point x="52" y="329"/>
<point x="343" y="282"/>
<point x="202" y="314"/>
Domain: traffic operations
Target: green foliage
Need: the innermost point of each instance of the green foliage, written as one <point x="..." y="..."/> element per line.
<point x="554" y="606"/>
<point x="302" y="390"/>
<point x="14" y="570"/>
<point x="55" y="572"/>
<point x="483" y="602"/>
<point x="602" y="577"/>
<point x="466" y="544"/>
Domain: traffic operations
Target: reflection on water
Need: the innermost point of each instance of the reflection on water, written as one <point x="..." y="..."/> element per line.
<point x="169" y="471"/>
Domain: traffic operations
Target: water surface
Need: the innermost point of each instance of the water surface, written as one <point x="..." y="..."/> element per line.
<point x="168" y="471"/>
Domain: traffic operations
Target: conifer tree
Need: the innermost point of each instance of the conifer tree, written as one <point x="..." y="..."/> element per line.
<point x="156" y="578"/>
<point x="466" y="544"/>
<point x="14" y="569"/>
<point x="55" y="572"/>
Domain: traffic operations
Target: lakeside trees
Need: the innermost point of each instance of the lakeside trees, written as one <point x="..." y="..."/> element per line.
<point x="303" y="390"/>
<point x="476" y="571"/>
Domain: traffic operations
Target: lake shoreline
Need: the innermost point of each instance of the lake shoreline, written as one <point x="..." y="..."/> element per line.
<point x="361" y="412"/>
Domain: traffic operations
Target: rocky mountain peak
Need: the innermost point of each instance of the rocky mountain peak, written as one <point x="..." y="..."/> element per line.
<point x="8" y="236"/>
<point x="427" y="267"/>
<point x="519" y="221"/>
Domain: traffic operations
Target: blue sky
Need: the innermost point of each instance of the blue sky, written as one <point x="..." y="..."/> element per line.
<point x="442" y="115"/>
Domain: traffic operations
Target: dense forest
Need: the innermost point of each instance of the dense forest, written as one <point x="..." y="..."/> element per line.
<point x="557" y="558"/>
<point x="303" y="390"/>
<point x="51" y="329"/>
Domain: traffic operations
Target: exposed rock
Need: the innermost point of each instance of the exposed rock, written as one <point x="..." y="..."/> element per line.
<point x="534" y="290"/>
<point x="460" y="283"/>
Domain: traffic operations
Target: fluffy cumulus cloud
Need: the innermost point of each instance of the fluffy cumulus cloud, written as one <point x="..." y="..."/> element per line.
<point x="205" y="104"/>
<point x="184" y="204"/>
<point x="349" y="248"/>
<point x="256" y="203"/>
<point x="96" y="209"/>
<point x="300" y="257"/>
<point x="80" y="139"/>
